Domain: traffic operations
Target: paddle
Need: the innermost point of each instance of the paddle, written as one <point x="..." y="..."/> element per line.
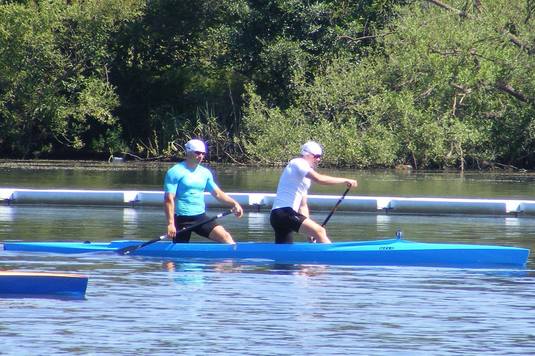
<point x="335" y="207"/>
<point x="129" y="249"/>
<point x="312" y="239"/>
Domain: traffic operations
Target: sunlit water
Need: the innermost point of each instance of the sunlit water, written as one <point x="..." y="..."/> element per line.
<point x="137" y="306"/>
<point x="153" y="306"/>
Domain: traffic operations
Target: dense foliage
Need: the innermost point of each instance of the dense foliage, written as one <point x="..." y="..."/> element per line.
<point x="441" y="88"/>
<point x="55" y="94"/>
<point x="425" y="82"/>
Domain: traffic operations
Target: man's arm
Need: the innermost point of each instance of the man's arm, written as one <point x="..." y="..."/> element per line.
<point x="224" y="198"/>
<point x="169" y="208"/>
<point x="328" y="180"/>
<point x="303" y="208"/>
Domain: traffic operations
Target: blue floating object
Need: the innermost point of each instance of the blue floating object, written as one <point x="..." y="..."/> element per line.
<point x="389" y="252"/>
<point x="41" y="284"/>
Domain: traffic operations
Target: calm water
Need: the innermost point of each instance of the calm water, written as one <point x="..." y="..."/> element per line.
<point x="134" y="176"/>
<point x="150" y="306"/>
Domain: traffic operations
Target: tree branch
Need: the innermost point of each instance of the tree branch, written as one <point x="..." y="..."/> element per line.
<point x="507" y="88"/>
<point x="514" y="40"/>
<point x="461" y="87"/>
<point x="530" y="9"/>
<point x="344" y="37"/>
<point x="477" y="5"/>
<point x="449" y="8"/>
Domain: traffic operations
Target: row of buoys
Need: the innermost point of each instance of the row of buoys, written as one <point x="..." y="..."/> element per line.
<point x="260" y="201"/>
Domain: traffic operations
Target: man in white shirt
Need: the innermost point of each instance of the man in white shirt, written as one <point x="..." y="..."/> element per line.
<point x="290" y="209"/>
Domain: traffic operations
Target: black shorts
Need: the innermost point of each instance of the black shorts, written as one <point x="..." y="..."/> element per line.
<point x="285" y="221"/>
<point x="182" y="222"/>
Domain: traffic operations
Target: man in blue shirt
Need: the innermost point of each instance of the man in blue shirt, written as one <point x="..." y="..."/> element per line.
<point x="184" y="187"/>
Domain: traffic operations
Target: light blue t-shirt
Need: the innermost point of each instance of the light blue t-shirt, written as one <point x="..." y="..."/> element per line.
<point x="189" y="186"/>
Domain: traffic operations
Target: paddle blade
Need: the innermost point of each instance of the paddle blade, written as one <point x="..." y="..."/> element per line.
<point x="129" y="249"/>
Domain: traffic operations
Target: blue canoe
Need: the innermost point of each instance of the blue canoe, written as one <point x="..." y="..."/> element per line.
<point x="42" y="285"/>
<point x="391" y="252"/>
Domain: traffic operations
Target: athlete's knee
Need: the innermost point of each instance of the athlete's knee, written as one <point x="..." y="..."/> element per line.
<point x="228" y="238"/>
<point x="222" y="235"/>
<point x="321" y="235"/>
<point x="321" y="231"/>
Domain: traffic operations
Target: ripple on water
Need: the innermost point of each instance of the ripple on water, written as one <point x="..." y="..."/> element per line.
<point x="157" y="307"/>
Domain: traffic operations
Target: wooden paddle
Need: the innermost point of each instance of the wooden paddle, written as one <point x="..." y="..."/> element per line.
<point x="129" y="249"/>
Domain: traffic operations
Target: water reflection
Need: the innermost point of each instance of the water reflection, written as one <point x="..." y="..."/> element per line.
<point x="66" y="297"/>
<point x="384" y="223"/>
<point x="257" y="221"/>
<point x="195" y="273"/>
<point x="6" y="219"/>
<point x="6" y="213"/>
<point x="130" y="221"/>
<point x="185" y="273"/>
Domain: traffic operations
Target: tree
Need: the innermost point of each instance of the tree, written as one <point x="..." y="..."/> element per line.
<point x="54" y="91"/>
<point x="446" y="85"/>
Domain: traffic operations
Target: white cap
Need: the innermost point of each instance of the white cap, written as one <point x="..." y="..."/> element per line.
<point x="195" y="146"/>
<point x="312" y="148"/>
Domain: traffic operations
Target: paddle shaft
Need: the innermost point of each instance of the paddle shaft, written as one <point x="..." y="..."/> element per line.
<point x="335" y="207"/>
<point x="130" y="249"/>
<point x="194" y="226"/>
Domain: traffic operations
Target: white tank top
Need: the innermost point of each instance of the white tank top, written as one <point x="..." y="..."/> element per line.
<point x="293" y="184"/>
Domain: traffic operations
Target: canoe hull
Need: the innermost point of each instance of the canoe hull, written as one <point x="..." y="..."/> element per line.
<point x="38" y="284"/>
<point x="391" y="252"/>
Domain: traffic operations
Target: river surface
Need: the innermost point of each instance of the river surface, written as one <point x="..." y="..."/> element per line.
<point x="139" y="306"/>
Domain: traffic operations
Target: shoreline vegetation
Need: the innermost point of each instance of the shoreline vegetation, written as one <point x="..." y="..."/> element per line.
<point x="395" y="84"/>
<point x="119" y="164"/>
